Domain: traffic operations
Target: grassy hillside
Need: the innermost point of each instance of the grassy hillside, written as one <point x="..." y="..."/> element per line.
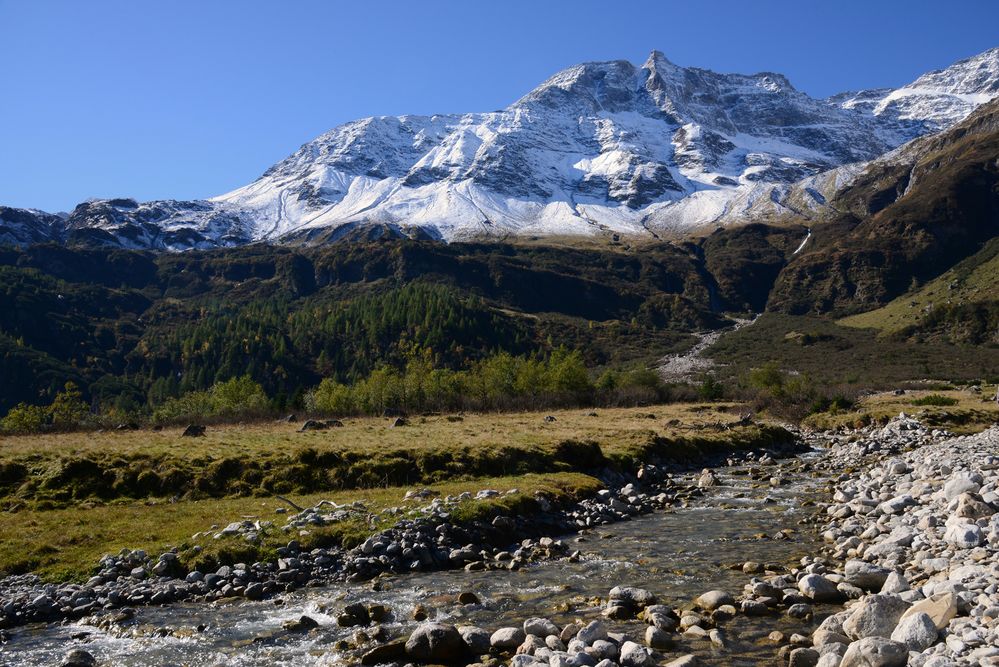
<point x="905" y="219"/>
<point x="973" y="281"/>
<point x="831" y="354"/>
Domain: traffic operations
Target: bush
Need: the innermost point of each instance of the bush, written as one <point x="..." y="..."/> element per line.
<point x="24" y="418"/>
<point x="67" y="411"/>
<point x="238" y="397"/>
<point x="936" y="400"/>
<point x="710" y="389"/>
<point x="832" y="405"/>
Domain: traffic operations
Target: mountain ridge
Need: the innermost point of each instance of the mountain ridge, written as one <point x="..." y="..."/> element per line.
<point x="599" y="148"/>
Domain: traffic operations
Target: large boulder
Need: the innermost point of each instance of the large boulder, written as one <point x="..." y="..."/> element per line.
<point x="941" y="608"/>
<point x="820" y="589"/>
<point x="964" y="535"/>
<point x="436" y="643"/>
<point x="713" y="599"/>
<point x="875" y="652"/>
<point x="506" y="639"/>
<point x="917" y="631"/>
<point x="864" y="575"/>
<point x="875" y="616"/>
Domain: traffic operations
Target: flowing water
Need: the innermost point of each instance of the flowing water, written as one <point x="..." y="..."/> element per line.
<point x="677" y="555"/>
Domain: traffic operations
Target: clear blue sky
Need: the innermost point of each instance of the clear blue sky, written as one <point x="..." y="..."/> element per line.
<point x="178" y="99"/>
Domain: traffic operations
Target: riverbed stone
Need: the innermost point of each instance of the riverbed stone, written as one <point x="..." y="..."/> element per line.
<point x="864" y="575"/>
<point x="476" y="638"/>
<point x="707" y="479"/>
<point x="959" y="484"/>
<point x="637" y="598"/>
<point x="385" y="653"/>
<point x="436" y="643"/>
<point x="917" y="631"/>
<point x="683" y="661"/>
<point x="713" y="599"/>
<point x="971" y="506"/>
<point x="507" y="638"/>
<point x="301" y="624"/>
<point x="541" y="627"/>
<point x="895" y="583"/>
<point x="569" y="631"/>
<point x="818" y="588"/>
<point x="79" y="658"/>
<point x="803" y="657"/>
<point x="603" y="649"/>
<point x="875" y="616"/>
<point x="591" y="632"/>
<point x="875" y="652"/>
<point x="823" y="637"/>
<point x="635" y="655"/>
<point x="800" y="610"/>
<point x="941" y="608"/>
<point x="531" y="645"/>
<point x="658" y="639"/>
<point x="964" y="535"/>
<point x="468" y="597"/>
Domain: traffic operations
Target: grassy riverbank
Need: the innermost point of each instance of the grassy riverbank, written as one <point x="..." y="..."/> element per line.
<point x="65" y="544"/>
<point x="957" y="410"/>
<point x="69" y="498"/>
<point x="58" y="470"/>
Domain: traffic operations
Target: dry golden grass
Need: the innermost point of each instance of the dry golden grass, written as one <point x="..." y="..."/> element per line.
<point x="615" y="428"/>
<point x="972" y="412"/>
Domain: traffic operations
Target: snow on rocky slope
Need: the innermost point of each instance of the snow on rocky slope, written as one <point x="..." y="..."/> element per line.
<point x="599" y="147"/>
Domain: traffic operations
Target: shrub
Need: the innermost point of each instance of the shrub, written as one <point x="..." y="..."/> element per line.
<point x="710" y="389"/>
<point x="238" y="397"/>
<point x="936" y="400"/>
<point x="68" y="409"/>
<point x="24" y="418"/>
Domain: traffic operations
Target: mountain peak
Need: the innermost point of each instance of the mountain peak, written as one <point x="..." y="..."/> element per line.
<point x="597" y="148"/>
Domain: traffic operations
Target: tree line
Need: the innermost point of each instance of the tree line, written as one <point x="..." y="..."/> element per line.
<point x="501" y="381"/>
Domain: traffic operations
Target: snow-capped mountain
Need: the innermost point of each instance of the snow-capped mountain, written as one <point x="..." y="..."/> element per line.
<point x="599" y="147"/>
<point x="23" y="227"/>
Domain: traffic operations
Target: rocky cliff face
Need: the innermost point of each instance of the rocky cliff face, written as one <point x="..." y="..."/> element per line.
<point x="606" y="147"/>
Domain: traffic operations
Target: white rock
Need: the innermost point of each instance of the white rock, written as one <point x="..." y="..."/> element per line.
<point x="917" y="631"/>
